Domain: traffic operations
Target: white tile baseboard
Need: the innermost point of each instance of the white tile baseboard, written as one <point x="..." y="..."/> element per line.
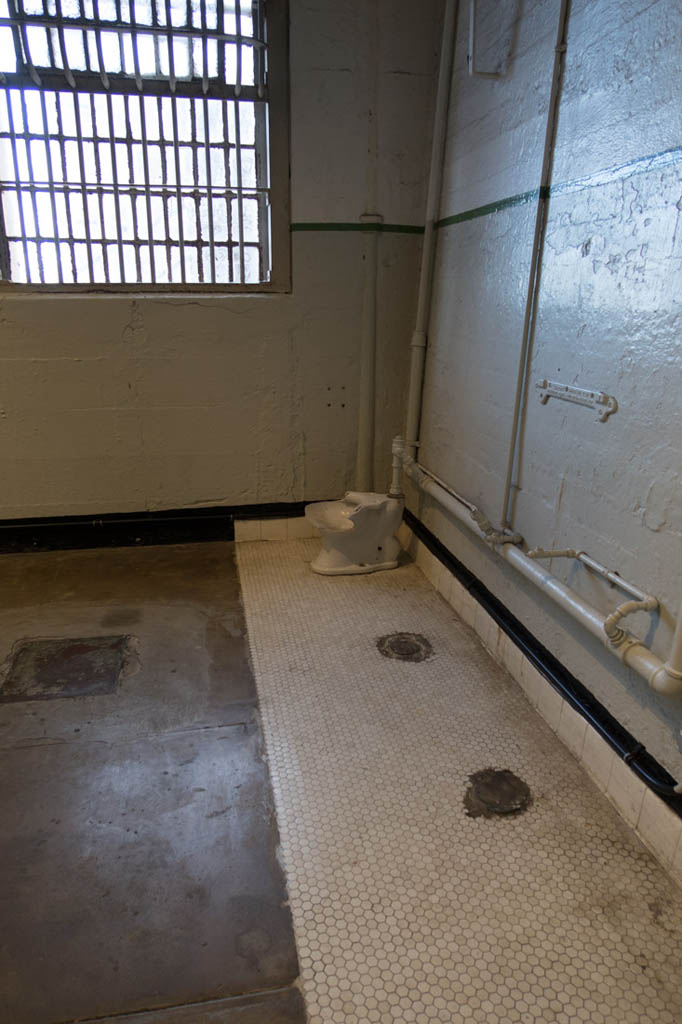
<point x="659" y="827"/>
<point x="294" y="528"/>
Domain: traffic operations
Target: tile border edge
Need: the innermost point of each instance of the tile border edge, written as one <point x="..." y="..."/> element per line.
<point x="283" y="528"/>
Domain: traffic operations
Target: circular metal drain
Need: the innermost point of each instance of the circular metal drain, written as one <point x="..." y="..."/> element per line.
<point x="496" y="791"/>
<point x="405" y="646"/>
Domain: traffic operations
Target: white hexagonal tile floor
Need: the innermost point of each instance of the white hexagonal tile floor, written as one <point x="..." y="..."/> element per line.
<point x="405" y="908"/>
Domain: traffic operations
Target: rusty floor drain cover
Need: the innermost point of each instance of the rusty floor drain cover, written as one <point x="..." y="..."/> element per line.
<point x="405" y="646"/>
<point x="496" y="791"/>
<point x="64" y="667"/>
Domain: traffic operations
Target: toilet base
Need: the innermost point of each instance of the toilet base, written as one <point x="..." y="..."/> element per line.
<point x="318" y="566"/>
<point x="358" y="533"/>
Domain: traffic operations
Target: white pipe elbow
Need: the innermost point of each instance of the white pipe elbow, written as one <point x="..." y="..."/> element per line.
<point x="667" y="681"/>
<point x="613" y="631"/>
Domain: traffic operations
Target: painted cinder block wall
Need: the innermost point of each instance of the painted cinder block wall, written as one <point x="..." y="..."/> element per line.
<point x="608" y="320"/>
<point x="108" y="404"/>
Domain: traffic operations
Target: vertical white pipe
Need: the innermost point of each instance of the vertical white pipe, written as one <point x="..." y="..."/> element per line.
<point x="364" y="462"/>
<point x="535" y="261"/>
<point x="440" y="124"/>
<point x="669" y="678"/>
<point x="674" y="663"/>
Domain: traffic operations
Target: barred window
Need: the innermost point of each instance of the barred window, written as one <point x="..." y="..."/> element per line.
<point x="143" y="144"/>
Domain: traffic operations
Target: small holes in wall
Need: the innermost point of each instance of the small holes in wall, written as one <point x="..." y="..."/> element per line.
<point x="336" y="397"/>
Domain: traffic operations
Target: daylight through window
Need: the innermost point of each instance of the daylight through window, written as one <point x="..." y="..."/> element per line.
<point x="134" y="143"/>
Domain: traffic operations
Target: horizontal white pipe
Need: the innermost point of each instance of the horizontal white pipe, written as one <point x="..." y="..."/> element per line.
<point x="454" y="494"/>
<point x="663" y="678"/>
<point x="562" y="595"/>
<point x="597" y="567"/>
<point x="614" y="578"/>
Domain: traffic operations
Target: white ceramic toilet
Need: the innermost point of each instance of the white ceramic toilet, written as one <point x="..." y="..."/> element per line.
<point x="357" y="533"/>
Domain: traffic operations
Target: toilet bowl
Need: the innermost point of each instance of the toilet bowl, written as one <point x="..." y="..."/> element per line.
<point x="357" y="533"/>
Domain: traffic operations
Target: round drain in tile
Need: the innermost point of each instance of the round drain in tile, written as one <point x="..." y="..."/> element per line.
<point x="496" y="791"/>
<point x="405" y="646"/>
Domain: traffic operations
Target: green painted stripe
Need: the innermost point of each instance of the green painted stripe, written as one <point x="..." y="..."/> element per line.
<point x="484" y="211"/>
<point x="402" y="229"/>
<point x="642" y="165"/>
<point x="620" y="172"/>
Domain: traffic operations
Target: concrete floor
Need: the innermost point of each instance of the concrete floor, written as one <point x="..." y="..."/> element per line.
<point x="139" y="858"/>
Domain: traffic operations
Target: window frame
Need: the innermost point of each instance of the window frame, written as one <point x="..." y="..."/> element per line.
<point x="278" y="128"/>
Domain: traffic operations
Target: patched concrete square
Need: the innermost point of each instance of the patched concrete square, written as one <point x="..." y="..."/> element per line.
<point x="44" y="669"/>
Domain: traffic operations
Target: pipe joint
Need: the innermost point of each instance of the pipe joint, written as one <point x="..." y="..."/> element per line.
<point x="399" y="446"/>
<point x="664" y="679"/>
<point x="552" y="553"/>
<point x="616" y="635"/>
<point x="611" y="627"/>
<point x="397" y="453"/>
<point x="668" y="681"/>
<point x="498" y="537"/>
<point x="418" y="339"/>
<point x="491" y="535"/>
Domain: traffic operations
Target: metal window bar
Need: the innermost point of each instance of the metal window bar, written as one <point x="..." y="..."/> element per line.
<point x="19" y="19"/>
<point x="112" y="171"/>
<point x="85" y="25"/>
<point x="4" y="247"/>
<point x="163" y="156"/>
<point x="23" y="243"/>
<point x="115" y="191"/>
<point x="100" y="197"/>
<point x="34" y="201"/>
<point x="50" y="177"/>
<point x="240" y="200"/>
<point x="225" y="150"/>
<point x="68" y="246"/>
<point x="100" y="54"/>
<point x="156" y="28"/>
<point x="195" y="197"/>
<point x="133" y="201"/>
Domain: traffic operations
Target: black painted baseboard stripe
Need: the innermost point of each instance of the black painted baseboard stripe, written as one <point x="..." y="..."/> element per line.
<point x="641" y="762"/>
<point x="126" y="529"/>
